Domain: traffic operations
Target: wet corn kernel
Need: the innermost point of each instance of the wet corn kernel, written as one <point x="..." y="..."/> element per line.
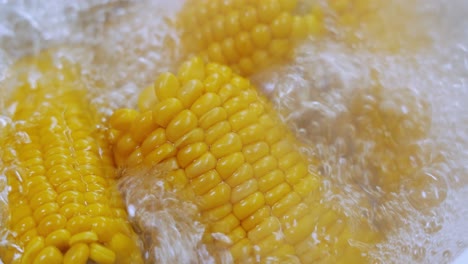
<point x="78" y="253"/>
<point x="249" y="35"/>
<point x="63" y="166"/>
<point x="49" y="255"/>
<point x="243" y="166"/>
<point x="101" y="254"/>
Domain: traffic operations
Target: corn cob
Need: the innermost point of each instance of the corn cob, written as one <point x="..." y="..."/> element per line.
<point x="379" y="25"/>
<point x="224" y="143"/>
<point x="395" y="127"/>
<point x="246" y="35"/>
<point x="64" y="206"/>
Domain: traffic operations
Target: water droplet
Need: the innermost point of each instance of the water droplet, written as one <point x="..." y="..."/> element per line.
<point x="447" y="255"/>
<point x="426" y="189"/>
<point x="419" y="253"/>
<point x="432" y="225"/>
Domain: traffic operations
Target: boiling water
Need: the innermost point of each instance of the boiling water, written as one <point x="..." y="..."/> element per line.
<point x="374" y="113"/>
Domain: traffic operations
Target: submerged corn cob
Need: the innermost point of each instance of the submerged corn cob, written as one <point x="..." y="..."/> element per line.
<point x="63" y="205"/>
<point x="246" y="35"/>
<point x="224" y="143"/>
<point x="396" y="129"/>
<point x="379" y="25"/>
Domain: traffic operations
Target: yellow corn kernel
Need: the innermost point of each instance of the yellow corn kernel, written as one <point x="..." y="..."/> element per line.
<point x="49" y="255"/>
<point x="191" y="70"/>
<point x="59" y="239"/>
<point x="264" y="165"/>
<point x="71" y="209"/>
<point x="193" y="136"/>
<point x="289" y="201"/>
<point x="205" y="182"/>
<point x="242" y="119"/>
<point x="218" y="196"/>
<point x="248" y="178"/>
<point x="24" y="225"/>
<point x="249" y="205"/>
<point x="184" y="122"/>
<point x="124" y="249"/>
<point x="281" y="26"/>
<point x="225" y="225"/>
<point x="242" y="250"/>
<point x="217" y="213"/>
<point x="71" y="185"/>
<point x="70" y="197"/>
<point x="252" y="134"/>
<point x="78" y="253"/>
<point x="215" y="53"/>
<point x="228" y="91"/>
<point x="274" y="195"/>
<point x="261" y="35"/>
<point x="32" y="249"/>
<point x="201" y="165"/>
<point x="83" y="237"/>
<point x="300" y="230"/>
<point x="296" y="172"/>
<point x="166" y="86"/>
<point x="243" y="190"/>
<point x="235" y="105"/>
<point x="78" y="223"/>
<point x="216" y="78"/>
<point x="51" y="223"/>
<point x="160" y="154"/>
<point x="166" y="110"/>
<point x="123" y="118"/>
<point x="267" y="245"/>
<point x="226" y="145"/>
<point x="189" y="153"/>
<point x="142" y="125"/>
<point x="147" y="99"/>
<point x="41" y="198"/>
<point x="26" y="237"/>
<point x="284" y="253"/>
<point x="65" y="166"/>
<point x="242" y="174"/>
<point x="265" y="228"/>
<point x="101" y="254"/>
<point x="255" y="151"/>
<point x="299" y="28"/>
<point x="22" y="211"/>
<point x="205" y="103"/>
<point x="212" y="117"/>
<point x="227" y="165"/>
<point x="217" y="131"/>
<point x="307" y="185"/>
<point x="154" y="140"/>
<point x="190" y="92"/>
<point x="270" y="180"/>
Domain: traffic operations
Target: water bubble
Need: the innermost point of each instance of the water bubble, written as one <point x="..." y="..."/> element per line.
<point x="447" y="255"/>
<point x="432" y="225"/>
<point x="426" y="189"/>
<point x="419" y="253"/>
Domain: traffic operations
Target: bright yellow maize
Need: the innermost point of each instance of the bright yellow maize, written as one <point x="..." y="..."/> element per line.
<point x="223" y="142"/>
<point x="63" y="203"/>
<point x="246" y="35"/>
